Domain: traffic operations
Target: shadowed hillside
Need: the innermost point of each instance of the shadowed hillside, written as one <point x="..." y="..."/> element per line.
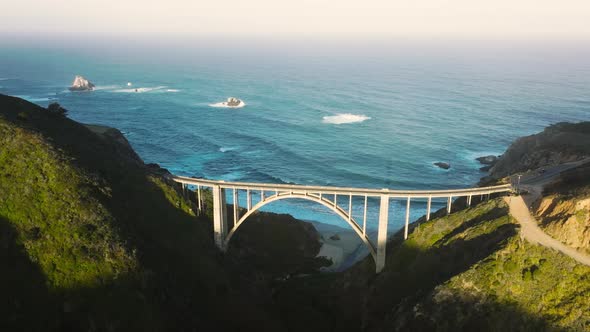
<point x="468" y="271"/>
<point x="100" y="242"/>
<point x="92" y="239"/>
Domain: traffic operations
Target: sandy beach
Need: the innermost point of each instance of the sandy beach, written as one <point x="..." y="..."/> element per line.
<point x="339" y="244"/>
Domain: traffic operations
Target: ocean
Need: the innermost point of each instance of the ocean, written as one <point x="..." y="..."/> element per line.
<point x="364" y="120"/>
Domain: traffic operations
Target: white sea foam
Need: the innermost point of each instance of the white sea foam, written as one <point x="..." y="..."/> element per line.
<point x="106" y="87"/>
<point x="172" y="90"/>
<point x="345" y="118"/>
<point x="140" y="90"/>
<point x="225" y="149"/>
<point x="33" y="99"/>
<point x="472" y="156"/>
<point x="224" y="104"/>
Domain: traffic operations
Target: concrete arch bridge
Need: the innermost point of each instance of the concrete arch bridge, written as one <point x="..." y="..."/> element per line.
<point x="261" y="194"/>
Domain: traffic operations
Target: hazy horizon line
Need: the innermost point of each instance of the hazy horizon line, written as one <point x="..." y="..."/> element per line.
<point x="229" y="41"/>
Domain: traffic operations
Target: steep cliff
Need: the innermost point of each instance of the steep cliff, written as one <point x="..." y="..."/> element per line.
<point x="564" y="208"/>
<point x="91" y="239"/>
<point x="559" y="143"/>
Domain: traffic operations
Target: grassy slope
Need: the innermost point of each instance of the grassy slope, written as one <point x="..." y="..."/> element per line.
<point x="465" y="272"/>
<point x="493" y="281"/>
<point x="518" y="286"/>
<point x="91" y="240"/>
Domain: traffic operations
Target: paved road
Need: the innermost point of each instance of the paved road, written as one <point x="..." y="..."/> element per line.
<point x="533" y="182"/>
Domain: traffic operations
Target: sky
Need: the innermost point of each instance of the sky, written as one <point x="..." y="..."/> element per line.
<point x="301" y="19"/>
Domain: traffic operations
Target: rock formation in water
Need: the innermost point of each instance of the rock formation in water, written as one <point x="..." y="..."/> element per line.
<point x="81" y="84"/>
<point x="233" y="102"/>
<point x="488" y="162"/>
<point x="443" y="165"/>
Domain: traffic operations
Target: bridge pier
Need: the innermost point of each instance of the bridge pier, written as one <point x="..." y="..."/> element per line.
<point x="382" y="233"/>
<point x="219" y="217"/>
<point x="449" y="204"/>
<point x="407" y="224"/>
<point x="322" y="195"/>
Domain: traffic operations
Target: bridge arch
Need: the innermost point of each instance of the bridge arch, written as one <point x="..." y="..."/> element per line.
<point x="222" y="234"/>
<point x="314" y="198"/>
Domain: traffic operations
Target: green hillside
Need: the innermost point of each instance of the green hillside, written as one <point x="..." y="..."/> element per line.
<point x="468" y="271"/>
<point x="90" y="239"/>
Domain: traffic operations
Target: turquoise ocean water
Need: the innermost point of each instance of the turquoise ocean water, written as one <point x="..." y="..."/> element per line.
<point x="363" y="121"/>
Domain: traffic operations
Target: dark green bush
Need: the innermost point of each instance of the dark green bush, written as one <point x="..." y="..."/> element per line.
<point x="55" y="108"/>
<point x="23" y="116"/>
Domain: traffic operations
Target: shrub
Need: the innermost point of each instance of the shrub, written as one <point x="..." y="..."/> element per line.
<point x="510" y="266"/>
<point x="581" y="216"/>
<point x="23" y="116"/>
<point x="55" y="108"/>
<point x="527" y="275"/>
<point x="535" y="272"/>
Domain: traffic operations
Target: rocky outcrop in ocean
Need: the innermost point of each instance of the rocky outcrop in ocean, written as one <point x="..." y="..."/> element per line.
<point x="442" y="165"/>
<point x="81" y="84"/>
<point x="231" y="102"/>
<point x="488" y="162"/>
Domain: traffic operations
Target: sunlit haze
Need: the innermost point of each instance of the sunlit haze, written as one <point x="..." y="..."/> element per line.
<point x="315" y="19"/>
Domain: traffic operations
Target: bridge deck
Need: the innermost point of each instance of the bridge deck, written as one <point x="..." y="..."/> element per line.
<point x="223" y="231"/>
<point x="344" y="190"/>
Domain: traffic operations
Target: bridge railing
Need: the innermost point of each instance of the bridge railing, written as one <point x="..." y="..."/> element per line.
<point x="344" y="190"/>
<point x="327" y="196"/>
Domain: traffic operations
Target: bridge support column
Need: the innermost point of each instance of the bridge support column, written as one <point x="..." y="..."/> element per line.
<point x="428" y="206"/>
<point x="219" y="217"/>
<point x="449" y="204"/>
<point x="382" y="233"/>
<point x="407" y="225"/>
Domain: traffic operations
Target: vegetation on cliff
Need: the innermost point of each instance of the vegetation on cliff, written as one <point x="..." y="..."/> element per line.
<point x="468" y="271"/>
<point x="91" y="240"/>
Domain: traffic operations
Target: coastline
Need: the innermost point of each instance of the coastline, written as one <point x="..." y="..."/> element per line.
<point x="341" y="245"/>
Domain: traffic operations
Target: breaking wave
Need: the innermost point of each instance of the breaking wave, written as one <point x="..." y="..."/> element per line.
<point x="225" y="149"/>
<point x="345" y="118"/>
<point x="140" y="90"/>
<point x="34" y="99"/>
<point x="106" y="87"/>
